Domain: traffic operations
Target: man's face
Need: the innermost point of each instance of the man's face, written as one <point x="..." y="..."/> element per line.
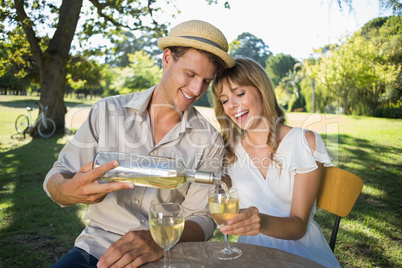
<point x="185" y="80"/>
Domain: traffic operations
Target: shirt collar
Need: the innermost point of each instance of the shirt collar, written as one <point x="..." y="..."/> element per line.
<point x="191" y="119"/>
<point x="140" y="101"/>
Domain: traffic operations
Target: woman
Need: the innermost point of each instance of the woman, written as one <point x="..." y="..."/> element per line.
<point x="276" y="168"/>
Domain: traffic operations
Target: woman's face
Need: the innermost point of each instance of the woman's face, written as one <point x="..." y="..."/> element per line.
<point x="243" y="104"/>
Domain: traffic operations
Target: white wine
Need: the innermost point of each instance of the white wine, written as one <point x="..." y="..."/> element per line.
<point x="223" y="208"/>
<point x="166" y="231"/>
<point x="155" y="182"/>
<point x="173" y="182"/>
<point x="151" y="171"/>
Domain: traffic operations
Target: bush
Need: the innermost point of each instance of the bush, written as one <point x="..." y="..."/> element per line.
<point x="391" y="110"/>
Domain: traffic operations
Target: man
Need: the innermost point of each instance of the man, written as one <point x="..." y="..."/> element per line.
<point x="160" y="121"/>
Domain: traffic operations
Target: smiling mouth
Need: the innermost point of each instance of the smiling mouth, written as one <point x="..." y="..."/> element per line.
<point x="188" y="97"/>
<point x="241" y="116"/>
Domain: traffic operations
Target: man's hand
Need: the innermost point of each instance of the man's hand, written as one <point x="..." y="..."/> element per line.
<point x="133" y="249"/>
<point x="84" y="186"/>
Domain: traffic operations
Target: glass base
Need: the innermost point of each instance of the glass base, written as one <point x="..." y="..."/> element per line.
<point x="228" y="254"/>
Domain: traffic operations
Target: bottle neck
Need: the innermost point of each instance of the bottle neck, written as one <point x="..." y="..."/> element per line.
<point x="206" y="177"/>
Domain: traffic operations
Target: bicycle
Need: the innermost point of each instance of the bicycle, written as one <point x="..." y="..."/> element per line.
<point x="46" y="126"/>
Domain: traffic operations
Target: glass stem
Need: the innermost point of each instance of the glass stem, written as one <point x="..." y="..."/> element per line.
<point x="166" y="259"/>
<point x="227" y="244"/>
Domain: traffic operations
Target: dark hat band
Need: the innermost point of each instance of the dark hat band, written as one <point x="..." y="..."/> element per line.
<point x="204" y="41"/>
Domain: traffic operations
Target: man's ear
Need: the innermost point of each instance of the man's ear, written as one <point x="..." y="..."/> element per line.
<point x="167" y="57"/>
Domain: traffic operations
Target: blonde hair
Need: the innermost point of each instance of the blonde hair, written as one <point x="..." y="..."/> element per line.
<point x="247" y="72"/>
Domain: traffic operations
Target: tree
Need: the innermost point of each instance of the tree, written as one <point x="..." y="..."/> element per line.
<point x="381" y="45"/>
<point x="384" y="5"/>
<point x="84" y="75"/>
<point x="250" y="46"/>
<point x="358" y="71"/>
<point x="129" y="44"/>
<point x="18" y="70"/>
<point x="394" y="5"/>
<point x="51" y="56"/>
<point x="51" y="61"/>
<point x="279" y="66"/>
<point x="143" y="72"/>
<point x="290" y="83"/>
<point x="389" y="33"/>
<point x="334" y="71"/>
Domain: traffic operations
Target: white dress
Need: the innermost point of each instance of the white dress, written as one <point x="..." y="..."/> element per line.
<point x="273" y="195"/>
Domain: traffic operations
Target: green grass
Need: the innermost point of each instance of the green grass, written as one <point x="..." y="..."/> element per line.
<point x="35" y="232"/>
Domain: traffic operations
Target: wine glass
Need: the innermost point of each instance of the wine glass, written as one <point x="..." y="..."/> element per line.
<point x="166" y="222"/>
<point x="224" y="205"/>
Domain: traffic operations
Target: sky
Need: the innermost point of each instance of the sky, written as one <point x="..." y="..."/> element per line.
<point x="293" y="27"/>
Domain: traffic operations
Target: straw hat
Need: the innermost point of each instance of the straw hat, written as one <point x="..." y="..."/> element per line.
<point x="200" y="35"/>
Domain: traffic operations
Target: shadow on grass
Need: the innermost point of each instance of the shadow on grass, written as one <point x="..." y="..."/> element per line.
<point x="377" y="212"/>
<point x="32" y="102"/>
<point x="35" y="231"/>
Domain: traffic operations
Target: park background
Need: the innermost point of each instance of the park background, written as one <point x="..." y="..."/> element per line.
<point x="348" y="89"/>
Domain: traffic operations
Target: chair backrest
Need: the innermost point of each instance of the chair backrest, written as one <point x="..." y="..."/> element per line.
<point x="338" y="193"/>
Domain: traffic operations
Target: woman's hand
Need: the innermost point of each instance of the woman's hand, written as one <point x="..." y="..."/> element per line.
<point x="247" y="222"/>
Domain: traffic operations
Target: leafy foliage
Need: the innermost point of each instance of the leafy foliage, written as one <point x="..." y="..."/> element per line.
<point x="40" y="19"/>
<point x="394" y="5"/>
<point x="18" y="69"/>
<point x="364" y="72"/>
<point x="144" y="72"/>
<point x="128" y="44"/>
<point x="279" y="66"/>
<point x="85" y="76"/>
<point x="249" y="46"/>
<point x="141" y="73"/>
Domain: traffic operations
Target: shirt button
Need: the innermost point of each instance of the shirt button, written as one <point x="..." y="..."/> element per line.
<point x="137" y="201"/>
<point x="142" y="220"/>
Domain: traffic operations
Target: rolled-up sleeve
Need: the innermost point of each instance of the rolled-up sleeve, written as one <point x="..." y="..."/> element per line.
<point x="80" y="150"/>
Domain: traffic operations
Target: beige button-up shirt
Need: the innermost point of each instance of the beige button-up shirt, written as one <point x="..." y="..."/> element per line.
<point x="122" y="124"/>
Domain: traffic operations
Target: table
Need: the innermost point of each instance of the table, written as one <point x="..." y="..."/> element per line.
<point x="199" y="254"/>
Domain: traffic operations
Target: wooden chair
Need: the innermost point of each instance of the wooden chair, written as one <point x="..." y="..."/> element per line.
<point x="338" y="193"/>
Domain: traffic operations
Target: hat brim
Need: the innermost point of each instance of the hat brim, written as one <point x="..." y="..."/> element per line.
<point x="175" y="41"/>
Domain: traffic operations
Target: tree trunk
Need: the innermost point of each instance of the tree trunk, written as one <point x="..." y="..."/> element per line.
<point x="52" y="62"/>
<point x="313" y="93"/>
<point x="52" y="92"/>
<point x="378" y="89"/>
<point x="345" y="103"/>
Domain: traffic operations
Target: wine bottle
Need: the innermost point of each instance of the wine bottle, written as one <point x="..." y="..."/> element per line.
<point x="151" y="171"/>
